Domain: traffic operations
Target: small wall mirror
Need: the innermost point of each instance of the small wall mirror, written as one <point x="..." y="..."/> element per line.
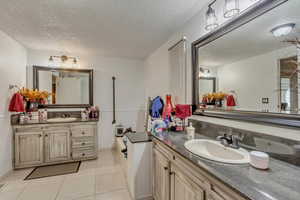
<point x="69" y="87"/>
<point x="206" y="85"/>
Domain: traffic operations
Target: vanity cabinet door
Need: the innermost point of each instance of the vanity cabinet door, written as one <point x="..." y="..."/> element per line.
<point x="28" y="148"/>
<point x="161" y="176"/>
<point x="57" y="145"/>
<point x="183" y="188"/>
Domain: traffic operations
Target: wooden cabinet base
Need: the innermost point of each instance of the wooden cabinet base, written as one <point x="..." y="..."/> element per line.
<point x="39" y="145"/>
<point x="176" y="178"/>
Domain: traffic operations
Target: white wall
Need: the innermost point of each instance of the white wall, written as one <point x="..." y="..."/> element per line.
<point x="130" y="89"/>
<point x="157" y="64"/>
<point x="13" y="71"/>
<point x="255" y="78"/>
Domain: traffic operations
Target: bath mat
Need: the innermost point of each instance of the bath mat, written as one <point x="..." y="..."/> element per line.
<point x="54" y="170"/>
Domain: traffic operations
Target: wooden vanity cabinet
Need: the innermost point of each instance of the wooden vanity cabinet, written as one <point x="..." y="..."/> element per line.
<point x="183" y="188"/>
<point x="29" y="148"/>
<point x="176" y="178"/>
<point x="57" y="145"/>
<point x="161" y="174"/>
<point x="38" y="145"/>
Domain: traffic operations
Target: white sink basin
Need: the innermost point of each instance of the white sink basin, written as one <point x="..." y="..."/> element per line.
<point x="214" y="150"/>
<point x="69" y="119"/>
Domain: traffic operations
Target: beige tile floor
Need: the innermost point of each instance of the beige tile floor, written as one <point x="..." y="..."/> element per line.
<point x="100" y="179"/>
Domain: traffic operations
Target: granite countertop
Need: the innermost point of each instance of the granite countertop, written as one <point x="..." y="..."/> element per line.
<point x="280" y="182"/>
<point x="37" y="122"/>
<point x="139" y="137"/>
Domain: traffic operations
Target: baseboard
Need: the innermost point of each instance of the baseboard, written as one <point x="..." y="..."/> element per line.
<point x="145" y="198"/>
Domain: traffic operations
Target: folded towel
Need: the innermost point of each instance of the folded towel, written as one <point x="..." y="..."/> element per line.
<point x="183" y="111"/>
<point x="16" y="103"/>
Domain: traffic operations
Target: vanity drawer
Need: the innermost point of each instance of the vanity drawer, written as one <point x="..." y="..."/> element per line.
<point x="83" y="153"/>
<point x="82" y="143"/>
<point x="83" y="132"/>
<point x="29" y="129"/>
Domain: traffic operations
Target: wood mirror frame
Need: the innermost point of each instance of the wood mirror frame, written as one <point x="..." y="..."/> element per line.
<point x="90" y="72"/>
<point x="281" y="119"/>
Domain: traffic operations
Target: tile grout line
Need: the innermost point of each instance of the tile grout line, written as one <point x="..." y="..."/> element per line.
<point x="19" y="196"/>
<point x="57" y="194"/>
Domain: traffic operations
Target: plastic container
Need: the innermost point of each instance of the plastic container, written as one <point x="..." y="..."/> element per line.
<point x="259" y="160"/>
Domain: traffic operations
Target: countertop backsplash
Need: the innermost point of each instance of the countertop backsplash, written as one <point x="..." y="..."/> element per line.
<point x="279" y="148"/>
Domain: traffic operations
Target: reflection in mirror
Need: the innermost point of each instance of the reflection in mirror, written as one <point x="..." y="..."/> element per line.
<point x="289" y="84"/>
<point x="257" y="62"/>
<point x="207" y="85"/>
<point x="68" y="87"/>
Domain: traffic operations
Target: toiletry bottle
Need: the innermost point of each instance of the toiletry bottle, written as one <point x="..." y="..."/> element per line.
<point x="45" y="114"/>
<point x="22" y="117"/>
<point x="83" y="115"/>
<point x="190" y="130"/>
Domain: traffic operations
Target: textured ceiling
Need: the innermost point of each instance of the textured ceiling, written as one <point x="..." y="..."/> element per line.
<point x="124" y="28"/>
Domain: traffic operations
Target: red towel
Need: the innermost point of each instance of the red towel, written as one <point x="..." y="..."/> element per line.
<point x="230" y="101"/>
<point x="183" y="111"/>
<point x="16" y="103"/>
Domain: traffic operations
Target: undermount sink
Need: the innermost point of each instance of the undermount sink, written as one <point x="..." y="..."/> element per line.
<point x="214" y="150"/>
<point x="69" y="119"/>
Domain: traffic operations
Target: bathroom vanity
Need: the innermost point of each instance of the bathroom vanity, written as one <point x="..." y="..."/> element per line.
<point x="181" y="175"/>
<point x="177" y="179"/>
<point x="64" y="136"/>
<point x="44" y="143"/>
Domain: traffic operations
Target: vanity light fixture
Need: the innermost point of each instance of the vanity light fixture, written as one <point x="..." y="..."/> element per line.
<point x="231" y="8"/>
<point x="283" y="30"/>
<point x="211" y="18"/>
<point x="63" y="59"/>
<point x="204" y="72"/>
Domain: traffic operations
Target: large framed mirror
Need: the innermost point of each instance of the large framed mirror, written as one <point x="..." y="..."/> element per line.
<point x="69" y="88"/>
<point x="255" y="61"/>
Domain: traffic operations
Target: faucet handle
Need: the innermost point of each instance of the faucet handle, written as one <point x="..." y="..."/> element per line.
<point x="220" y="137"/>
<point x="236" y="139"/>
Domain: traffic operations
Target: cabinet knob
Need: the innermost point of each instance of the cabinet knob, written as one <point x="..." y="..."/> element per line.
<point x="46" y="135"/>
<point x="83" y="154"/>
<point x="40" y="135"/>
<point x="166" y="168"/>
<point x="82" y="144"/>
<point x="172" y="173"/>
<point x="83" y="133"/>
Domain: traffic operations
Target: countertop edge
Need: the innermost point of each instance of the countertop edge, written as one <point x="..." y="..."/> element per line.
<point x="52" y="123"/>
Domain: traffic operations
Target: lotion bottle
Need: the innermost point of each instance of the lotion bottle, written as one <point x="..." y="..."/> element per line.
<point x="190" y="130"/>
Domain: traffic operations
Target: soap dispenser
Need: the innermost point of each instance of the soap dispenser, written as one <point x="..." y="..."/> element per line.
<point x="190" y="130"/>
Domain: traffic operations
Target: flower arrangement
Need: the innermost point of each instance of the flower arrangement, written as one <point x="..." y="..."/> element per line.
<point x="214" y="98"/>
<point x="34" y="95"/>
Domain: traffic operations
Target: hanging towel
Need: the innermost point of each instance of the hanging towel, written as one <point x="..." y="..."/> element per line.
<point x="183" y="111"/>
<point x="230" y="101"/>
<point x="157" y="107"/>
<point x="16" y="103"/>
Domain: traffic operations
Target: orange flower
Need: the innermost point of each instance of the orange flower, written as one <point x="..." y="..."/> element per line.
<point x="33" y="95"/>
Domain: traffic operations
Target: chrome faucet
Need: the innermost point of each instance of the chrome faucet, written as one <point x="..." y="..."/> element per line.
<point x="230" y="140"/>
